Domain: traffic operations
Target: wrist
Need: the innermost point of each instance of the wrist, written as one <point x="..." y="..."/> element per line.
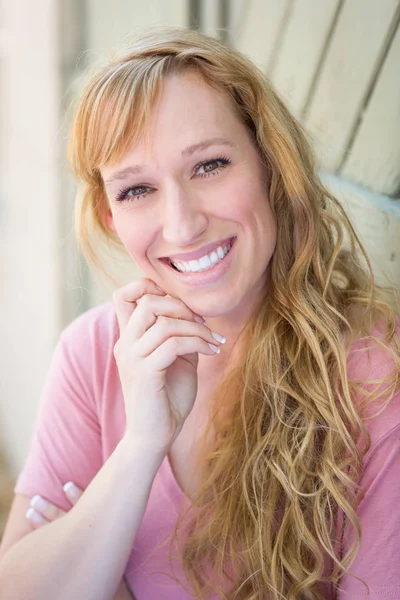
<point x="133" y="449"/>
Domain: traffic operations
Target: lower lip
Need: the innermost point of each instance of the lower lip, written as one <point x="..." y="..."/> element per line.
<point x="212" y="275"/>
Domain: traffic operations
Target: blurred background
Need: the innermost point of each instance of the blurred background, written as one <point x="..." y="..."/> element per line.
<point x="335" y="62"/>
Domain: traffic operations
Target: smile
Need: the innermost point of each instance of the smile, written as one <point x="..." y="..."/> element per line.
<point x="207" y="269"/>
<point x="203" y="263"/>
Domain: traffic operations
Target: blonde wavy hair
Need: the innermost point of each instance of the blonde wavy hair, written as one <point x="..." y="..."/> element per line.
<point x="289" y="451"/>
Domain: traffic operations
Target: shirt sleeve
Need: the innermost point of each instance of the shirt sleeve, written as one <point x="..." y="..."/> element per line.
<point x="378" y="559"/>
<point x="66" y="444"/>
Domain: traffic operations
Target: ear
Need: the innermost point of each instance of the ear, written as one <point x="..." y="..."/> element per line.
<point x="110" y="220"/>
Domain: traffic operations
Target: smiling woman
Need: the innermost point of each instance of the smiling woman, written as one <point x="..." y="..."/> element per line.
<point x="240" y="402"/>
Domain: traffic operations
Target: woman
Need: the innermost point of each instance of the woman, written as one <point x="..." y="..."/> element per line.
<point x="232" y="418"/>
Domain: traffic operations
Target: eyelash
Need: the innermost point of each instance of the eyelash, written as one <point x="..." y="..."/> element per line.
<point x="123" y="194"/>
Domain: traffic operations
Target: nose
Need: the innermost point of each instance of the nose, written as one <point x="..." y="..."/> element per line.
<point x="184" y="216"/>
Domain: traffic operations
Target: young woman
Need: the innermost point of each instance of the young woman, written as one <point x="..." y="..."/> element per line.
<point x="233" y="417"/>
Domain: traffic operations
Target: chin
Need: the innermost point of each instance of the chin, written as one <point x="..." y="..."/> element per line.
<point x="211" y="306"/>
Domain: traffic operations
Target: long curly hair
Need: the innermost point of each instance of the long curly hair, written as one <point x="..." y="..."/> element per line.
<point x="289" y="436"/>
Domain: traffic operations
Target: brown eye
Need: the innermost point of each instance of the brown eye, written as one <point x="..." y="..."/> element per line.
<point x="211" y="166"/>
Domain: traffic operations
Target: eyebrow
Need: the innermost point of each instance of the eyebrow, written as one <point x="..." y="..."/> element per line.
<point x="135" y="169"/>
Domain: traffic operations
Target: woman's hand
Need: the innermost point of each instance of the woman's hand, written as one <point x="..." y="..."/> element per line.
<point x="157" y="357"/>
<point x="43" y="512"/>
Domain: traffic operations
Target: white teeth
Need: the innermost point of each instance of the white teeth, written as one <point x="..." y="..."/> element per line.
<point x="203" y="263"/>
<point x="194" y="265"/>
<point x="214" y="258"/>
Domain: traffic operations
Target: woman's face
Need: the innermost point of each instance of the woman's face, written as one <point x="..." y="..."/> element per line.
<point x="196" y="187"/>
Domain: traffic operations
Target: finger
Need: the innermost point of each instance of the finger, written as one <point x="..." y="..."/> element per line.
<point x="166" y="328"/>
<point x="35" y="518"/>
<point x="124" y="298"/>
<point x="73" y="492"/>
<point x="168" y="352"/>
<point x="150" y="307"/>
<point x="49" y="511"/>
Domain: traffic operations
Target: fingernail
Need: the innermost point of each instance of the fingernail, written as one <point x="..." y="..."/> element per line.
<point x="199" y="319"/>
<point x="218" y="337"/>
<point x="70" y="488"/>
<point x="32" y="515"/>
<point x="39" y="503"/>
<point x="161" y="290"/>
<point x="214" y="348"/>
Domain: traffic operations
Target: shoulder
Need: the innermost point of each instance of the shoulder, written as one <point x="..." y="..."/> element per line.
<point x="98" y="325"/>
<point x="90" y="338"/>
<point x="370" y="362"/>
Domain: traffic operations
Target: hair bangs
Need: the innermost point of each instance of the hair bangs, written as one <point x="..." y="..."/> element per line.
<point x="114" y="115"/>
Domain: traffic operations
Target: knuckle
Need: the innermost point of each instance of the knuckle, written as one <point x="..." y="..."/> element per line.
<point x="118" y="349"/>
<point x="164" y="323"/>
<point x="173" y="344"/>
<point x="125" y="354"/>
<point x="116" y="296"/>
<point x="146" y="301"/>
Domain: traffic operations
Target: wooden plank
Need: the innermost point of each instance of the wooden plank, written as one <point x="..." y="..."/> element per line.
<point x="109" y="22"/>
<point x="209" y="17"/>
<point x="236" y="8"/>
<point x="4" y="41"/>
<point x="300" y="53"/>
<point x="374" y="158"/>
<point x="352" y="59"/>
<point x="376" y="219"/>
<point x="258" y="29"/>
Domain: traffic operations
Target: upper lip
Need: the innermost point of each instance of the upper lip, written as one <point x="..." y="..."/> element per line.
<point x="207" y="249"/>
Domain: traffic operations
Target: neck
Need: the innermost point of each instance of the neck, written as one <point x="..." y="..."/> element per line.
<point x="231" y="325"/>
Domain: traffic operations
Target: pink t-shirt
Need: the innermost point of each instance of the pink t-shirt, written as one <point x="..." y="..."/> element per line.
<point x="82" y="419"/>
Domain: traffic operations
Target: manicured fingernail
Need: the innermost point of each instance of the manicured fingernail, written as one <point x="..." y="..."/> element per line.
<point x="214" y="348"/>
<point x="39" y="503"/>
<point x="32" y="515"/>
<point x="218" y="337"/>
<point x="70" y="488"/>
<point x="199" y="319"/>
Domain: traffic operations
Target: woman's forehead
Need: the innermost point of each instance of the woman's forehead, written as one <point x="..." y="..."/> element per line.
<point x="184" y="112"/>
<point x="184" y="119"/>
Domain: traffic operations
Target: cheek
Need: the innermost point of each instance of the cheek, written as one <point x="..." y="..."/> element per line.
<point x="246" y="200"/>
<point x="232" y="201"/>
<point x="133" y="235"/>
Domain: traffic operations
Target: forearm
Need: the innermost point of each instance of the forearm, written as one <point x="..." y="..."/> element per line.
<point x="84" y="554"/>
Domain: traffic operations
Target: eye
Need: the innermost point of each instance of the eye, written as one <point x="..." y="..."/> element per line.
<point x="138" y="191"/>
<point x="212" y="166"/>
<point x="208" y="167"/>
